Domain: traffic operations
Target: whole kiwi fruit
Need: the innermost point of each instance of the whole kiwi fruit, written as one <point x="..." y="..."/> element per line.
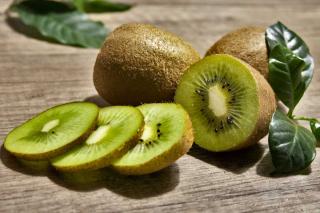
<point x="139" y="63"/>
<point x="248" y="44"/>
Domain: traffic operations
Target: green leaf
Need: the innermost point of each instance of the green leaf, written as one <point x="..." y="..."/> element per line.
<point x="64" y="26"/>
<point x="99" y="6"/>
<point x="292" y="147"/>
<point x="315" y="128"/>
<point x="285" y="75"/>
<point x="279" y="34"/>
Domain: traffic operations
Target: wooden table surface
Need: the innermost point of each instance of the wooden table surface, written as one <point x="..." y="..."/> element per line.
<point x="35" y="75"/>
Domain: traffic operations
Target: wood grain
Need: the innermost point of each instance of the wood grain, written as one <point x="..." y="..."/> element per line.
<point x="35" y="75"/>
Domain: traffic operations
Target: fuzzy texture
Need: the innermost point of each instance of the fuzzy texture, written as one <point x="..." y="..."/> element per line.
<point x="246" y="43"/>
<point x="140" y="63"/>
<point x="165" y="159"/>
<point x="267" y="106"/>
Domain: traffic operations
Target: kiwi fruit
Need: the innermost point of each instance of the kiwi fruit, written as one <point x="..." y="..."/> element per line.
<point x="248" y="44"/>
<point x="229" y="102"/>
<point x="36" y="166"/>
<point x="83" y="178"/>
<point x="52" y="132"/>
<point x="139" y="63"/>
<point x="118" y="129"/>
<point x="167" y="136"/>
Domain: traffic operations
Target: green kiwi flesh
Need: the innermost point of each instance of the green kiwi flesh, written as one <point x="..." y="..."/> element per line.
<point x="167" y="136"/>
<point x="118" y="129"/>
<point x="52" y="132"/>
<point x="224" y="98"/>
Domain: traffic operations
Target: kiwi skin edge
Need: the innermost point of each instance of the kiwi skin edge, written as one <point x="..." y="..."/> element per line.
<point x="56" y="152"/>
<point x="267" y="106"/>
<point x="166" y="158"/>
<point x="106" y="160"/>
<point x="61" y="150"/>
<point x="247" y="44"/>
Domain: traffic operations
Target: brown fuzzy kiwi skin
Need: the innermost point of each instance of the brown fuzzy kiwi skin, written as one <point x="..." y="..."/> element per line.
<point x="59" y="151"/>
<point x="248" y="44"/>
<point x="164" y="160"/>
<point x="106" y="160"/>
<point x="139" y="63"/>
<point x="267" y="106"/>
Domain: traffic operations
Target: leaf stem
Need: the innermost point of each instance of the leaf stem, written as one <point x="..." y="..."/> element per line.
<point x="301" y="118"/>
<point x="290" y="114"/>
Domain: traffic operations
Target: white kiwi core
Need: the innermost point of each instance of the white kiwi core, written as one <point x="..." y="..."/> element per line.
<point x="217" y="101"/>
<point x="50" y="125"/>
<point x="98" y="134"/>
<point x="149" y="133"/>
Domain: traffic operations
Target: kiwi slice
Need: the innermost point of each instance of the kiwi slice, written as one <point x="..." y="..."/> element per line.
<point x="52" y="132"/>
<point x="167" y="136"/>
<point x="229" y="102"/>
<point x="118" y="129"/>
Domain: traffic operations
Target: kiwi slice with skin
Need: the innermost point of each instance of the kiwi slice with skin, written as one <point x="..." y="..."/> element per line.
<point x="167" y="136"/>
<point x="52" y="132"/>
<point x="229" y="102"/>
<point x="118" y="129"/>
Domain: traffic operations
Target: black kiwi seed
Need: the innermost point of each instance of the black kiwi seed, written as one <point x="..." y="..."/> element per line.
<point x="140" y="140"/>
<point x="221" y="125"/>
<point x="216" y="130"/>
<point x="159" y="124"/>
<point x="198" y="92"/>
<point x="230" y="120"/>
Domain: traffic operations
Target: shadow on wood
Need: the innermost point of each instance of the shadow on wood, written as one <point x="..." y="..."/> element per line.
<point x="265" y="168"/>
<point x="98" y="100"/>
<point x="136" y="187"/>
<point x="139" y="187"/>
<point x="13" y="163"/>
<point x="236" y="162"/>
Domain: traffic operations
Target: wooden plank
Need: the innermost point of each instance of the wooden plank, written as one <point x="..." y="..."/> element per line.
<point x="35" y="75"/>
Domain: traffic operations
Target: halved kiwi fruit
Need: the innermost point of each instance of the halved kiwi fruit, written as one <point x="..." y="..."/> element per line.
<point x="52" y="132"/>
<point x="118" y="129"/>
<point x="229" y="102"/>
<point x="167" y="136"/>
